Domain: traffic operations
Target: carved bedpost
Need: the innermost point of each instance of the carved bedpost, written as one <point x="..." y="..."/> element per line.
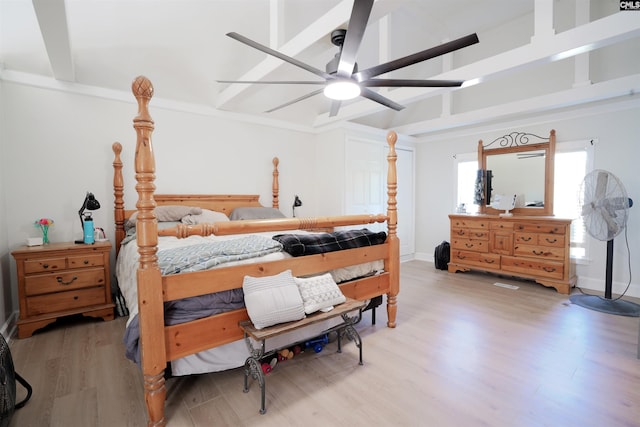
<point x="118" y="193"/>
<point x="392" y="223"/>
<point x="150" y="304"/>
<point x="275" y="187"/>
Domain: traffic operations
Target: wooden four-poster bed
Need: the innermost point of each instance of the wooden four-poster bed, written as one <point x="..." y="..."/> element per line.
<point x="161" y="342"/>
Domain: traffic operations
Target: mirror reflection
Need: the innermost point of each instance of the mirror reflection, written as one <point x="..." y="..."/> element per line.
<point x="522" y="174"/>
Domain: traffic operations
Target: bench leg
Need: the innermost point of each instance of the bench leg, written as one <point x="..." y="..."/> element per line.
<point x="252" y="367"/>
<point x="354" y="336"/>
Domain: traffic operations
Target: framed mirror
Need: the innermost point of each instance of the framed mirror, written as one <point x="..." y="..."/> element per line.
<point x="518" y="164"/>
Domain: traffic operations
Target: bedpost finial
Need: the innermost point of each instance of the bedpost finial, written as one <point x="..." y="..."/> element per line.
<point x="142" y="87"/>
<point x="117" y="148"/>
<point x="392" y="137"/>
<point x="276" y="161"/>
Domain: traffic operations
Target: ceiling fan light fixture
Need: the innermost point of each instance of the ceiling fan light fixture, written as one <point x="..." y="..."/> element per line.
<point x="342" y="90"/>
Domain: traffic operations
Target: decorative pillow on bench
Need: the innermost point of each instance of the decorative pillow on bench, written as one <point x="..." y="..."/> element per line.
<point x="319" y="292"/>
<point x="273" y="299"/>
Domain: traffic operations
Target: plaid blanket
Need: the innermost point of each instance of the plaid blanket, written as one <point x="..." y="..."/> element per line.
<point x="310" y="244"/>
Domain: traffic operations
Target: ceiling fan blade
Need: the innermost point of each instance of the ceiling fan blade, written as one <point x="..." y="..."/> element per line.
<point x="355" y="31"/>
<point x="416" y="57"/>
<point x="335" y="107"/>
<point x="290" y="60"/>
<point x="411" y="83"/>
<point x="376" y="97"/>
<point x="273" y="82"/>
<point x="309" y="95"/>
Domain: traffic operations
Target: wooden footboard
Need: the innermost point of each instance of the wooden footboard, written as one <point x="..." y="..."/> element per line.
<point x="159" y="343"/>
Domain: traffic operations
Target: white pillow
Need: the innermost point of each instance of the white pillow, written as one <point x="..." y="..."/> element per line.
<point x="207" y="216"/>
<point x="319" y="292"/>
<point x="273" y="299"/>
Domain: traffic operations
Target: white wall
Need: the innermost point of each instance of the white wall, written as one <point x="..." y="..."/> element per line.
<point x="8" y="291"/>
<point x="618" y="151"/>
<point x="55" y="146"/>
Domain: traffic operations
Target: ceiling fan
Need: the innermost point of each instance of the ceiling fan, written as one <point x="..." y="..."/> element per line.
<point x="342" y="80"/>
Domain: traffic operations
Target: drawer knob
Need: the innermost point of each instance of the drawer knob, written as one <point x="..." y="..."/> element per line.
<point x="73" y="279"/>
<point x="45" y="265"/>
<point x="86" y="261"/>
<point x="75" y="297"/>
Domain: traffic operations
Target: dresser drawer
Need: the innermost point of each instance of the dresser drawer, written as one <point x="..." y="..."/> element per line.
<point x="533" y="267"/>
<point x="470" y="245"/>
<point x="470" y="233"/>
<point x="540" y="228"/>
<point x="42" y="265"/>
<point x="90" y="260"/>
<point x="63" y="281"/>
<point x="497" y="225"/>
<point x="547" y="252"/>
<point x="486" y="260"/>
<point x="43" y="304"/>
<point x="553" y="240"/>
<point x="470" y="223"/>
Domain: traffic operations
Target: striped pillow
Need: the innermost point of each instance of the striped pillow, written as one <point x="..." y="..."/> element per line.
<point x="273" y="299"/>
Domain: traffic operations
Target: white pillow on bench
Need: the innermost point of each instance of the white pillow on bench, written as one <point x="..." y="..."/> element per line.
<point x="319" y="292"/>
<point x="272" y="299"/>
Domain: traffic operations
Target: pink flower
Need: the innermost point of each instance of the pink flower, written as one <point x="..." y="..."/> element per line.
<point x="43" y="221"/>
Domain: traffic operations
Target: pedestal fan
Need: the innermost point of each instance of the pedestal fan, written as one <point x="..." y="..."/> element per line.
<point x="605" y="209"/>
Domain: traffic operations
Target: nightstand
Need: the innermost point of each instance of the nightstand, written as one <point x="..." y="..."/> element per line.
<point x="61" y="279"/>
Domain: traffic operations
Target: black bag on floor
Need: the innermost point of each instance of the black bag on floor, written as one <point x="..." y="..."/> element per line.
<point x="441" y="255"/>
<point x="8" y="378"/>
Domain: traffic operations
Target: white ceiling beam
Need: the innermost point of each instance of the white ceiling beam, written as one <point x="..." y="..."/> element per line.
<point x="52" y="19"/>
<point x="603" y="32"/>
<point x="622" y="88"/>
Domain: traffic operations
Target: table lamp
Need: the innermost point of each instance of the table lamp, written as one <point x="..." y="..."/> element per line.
<point x="90" y="203"/>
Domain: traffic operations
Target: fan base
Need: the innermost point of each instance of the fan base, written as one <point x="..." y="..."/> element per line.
<point x="609" y="306"/>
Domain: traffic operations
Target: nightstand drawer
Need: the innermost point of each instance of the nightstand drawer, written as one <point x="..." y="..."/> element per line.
<point x="63" y="281"/>
<point x="60" y="301"/>
<point x="44" y="264"/>
<point x="82" y="261"/>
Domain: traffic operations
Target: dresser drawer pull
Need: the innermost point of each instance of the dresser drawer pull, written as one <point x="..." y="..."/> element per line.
<point x="73" y="279"/>
<point x="45" y="265"/>
<point x="75" y="297"/>
<point x="461" y="256"/>
<point x="526" y="239"/>
<point x="489" y="261"/>
<point x="538" y="252"/>
<point x="461" y="233"/>
<point x="551" y="240"/>
<point x="479" y="234"/>
<point x="549" y="269"/>
<point x="86" y="262"/>
<point x="469" y="245"/>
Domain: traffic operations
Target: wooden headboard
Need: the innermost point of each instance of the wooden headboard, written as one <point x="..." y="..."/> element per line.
<point x="225" y="203"/>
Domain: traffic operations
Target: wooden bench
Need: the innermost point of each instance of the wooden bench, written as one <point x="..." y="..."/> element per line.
<point x="252" y="365"/>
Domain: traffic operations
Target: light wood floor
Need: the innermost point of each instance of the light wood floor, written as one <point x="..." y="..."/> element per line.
<point x="464" y="353"/>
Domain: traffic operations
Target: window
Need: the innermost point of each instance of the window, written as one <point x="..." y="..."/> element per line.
<point x="574" y="159"/>
<point x="466" y="167"/>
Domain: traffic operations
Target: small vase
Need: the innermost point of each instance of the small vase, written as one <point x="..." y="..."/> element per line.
<point x="45" y="234"/>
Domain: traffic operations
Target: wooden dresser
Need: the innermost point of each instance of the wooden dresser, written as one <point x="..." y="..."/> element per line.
<point x="532" y="247"/>
<point x="60" y="279"/>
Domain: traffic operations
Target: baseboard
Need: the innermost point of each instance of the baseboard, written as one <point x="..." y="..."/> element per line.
<point x="617" y="288"/>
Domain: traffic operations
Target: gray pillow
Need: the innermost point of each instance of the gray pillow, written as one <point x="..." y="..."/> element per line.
<point x="166" y="213"/>
<point x="255" y="213"/>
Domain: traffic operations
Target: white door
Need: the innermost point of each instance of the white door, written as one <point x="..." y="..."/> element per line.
<point x="365" y="180"/>
<point x="366" y="187"/>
